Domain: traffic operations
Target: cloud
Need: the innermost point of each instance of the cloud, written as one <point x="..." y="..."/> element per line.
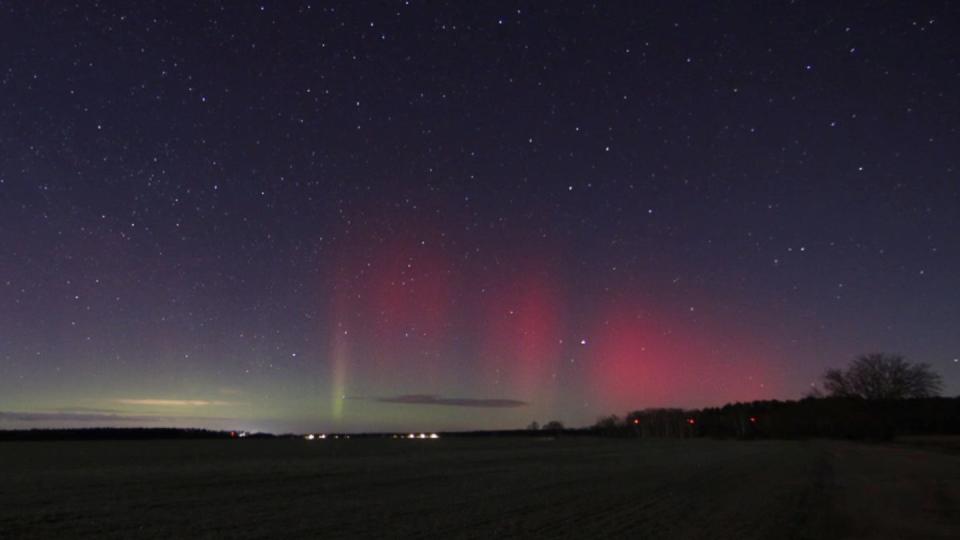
<point x="85" y="417"/>
<point x="172" y="402"/>
<point x="429" y="399"/>
<point x="70" y="410"/>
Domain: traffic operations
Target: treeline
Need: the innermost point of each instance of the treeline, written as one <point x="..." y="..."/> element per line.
<point x="92" y="434"/>
<point x="832" y="417"/>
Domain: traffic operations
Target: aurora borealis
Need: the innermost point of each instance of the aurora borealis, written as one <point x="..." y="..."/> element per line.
<point x="291" y="216"/>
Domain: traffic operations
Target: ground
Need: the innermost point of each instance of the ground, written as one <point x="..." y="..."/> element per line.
<point x="477" y="488"/>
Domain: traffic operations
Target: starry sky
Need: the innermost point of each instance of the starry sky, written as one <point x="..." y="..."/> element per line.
<point x="291" y="216"/>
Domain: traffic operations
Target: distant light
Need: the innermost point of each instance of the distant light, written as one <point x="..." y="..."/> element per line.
<point x="753" y="419"/>
<point x="310" y="437"/>
<point x="434" y="436"/>
<point x="691" y="421"/>
<point x="411" y="436"/>
<point x="583" y="341"/>
<point x="423" y="435"/>
<point x="323" y="436"/>
<point x="636" y="421"/>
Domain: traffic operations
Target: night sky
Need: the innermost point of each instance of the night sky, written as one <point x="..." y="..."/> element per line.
<point x="357" y="216"/>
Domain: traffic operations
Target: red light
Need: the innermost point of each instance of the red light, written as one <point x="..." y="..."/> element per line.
<point x="691" y="421"/>
<point x="233" y="433"/>
<point x="636" y="421"/>
<point x="753" y="419"/>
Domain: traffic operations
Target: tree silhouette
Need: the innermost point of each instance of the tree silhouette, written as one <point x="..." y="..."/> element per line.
<point x="609" y="425"/>
<point x="882" y="376"/>
<point x="553" y="425"/>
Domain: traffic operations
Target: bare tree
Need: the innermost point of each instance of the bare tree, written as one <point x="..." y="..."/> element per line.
<point x="883" y="376"/>
<point x="608" y="423"/>
<point x="553" y="425"/>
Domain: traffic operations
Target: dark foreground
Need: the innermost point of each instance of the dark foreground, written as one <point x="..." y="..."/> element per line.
<point x="476" y="488"/>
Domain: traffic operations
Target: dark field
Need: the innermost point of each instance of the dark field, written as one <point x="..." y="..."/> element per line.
<point x="477" y="488"/>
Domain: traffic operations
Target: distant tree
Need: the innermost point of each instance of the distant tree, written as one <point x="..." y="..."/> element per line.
<point x="534" y="426"/>
<point x="553" y="425"/>
<point x="609" y="425"/>
<point x="883" y="376"/>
